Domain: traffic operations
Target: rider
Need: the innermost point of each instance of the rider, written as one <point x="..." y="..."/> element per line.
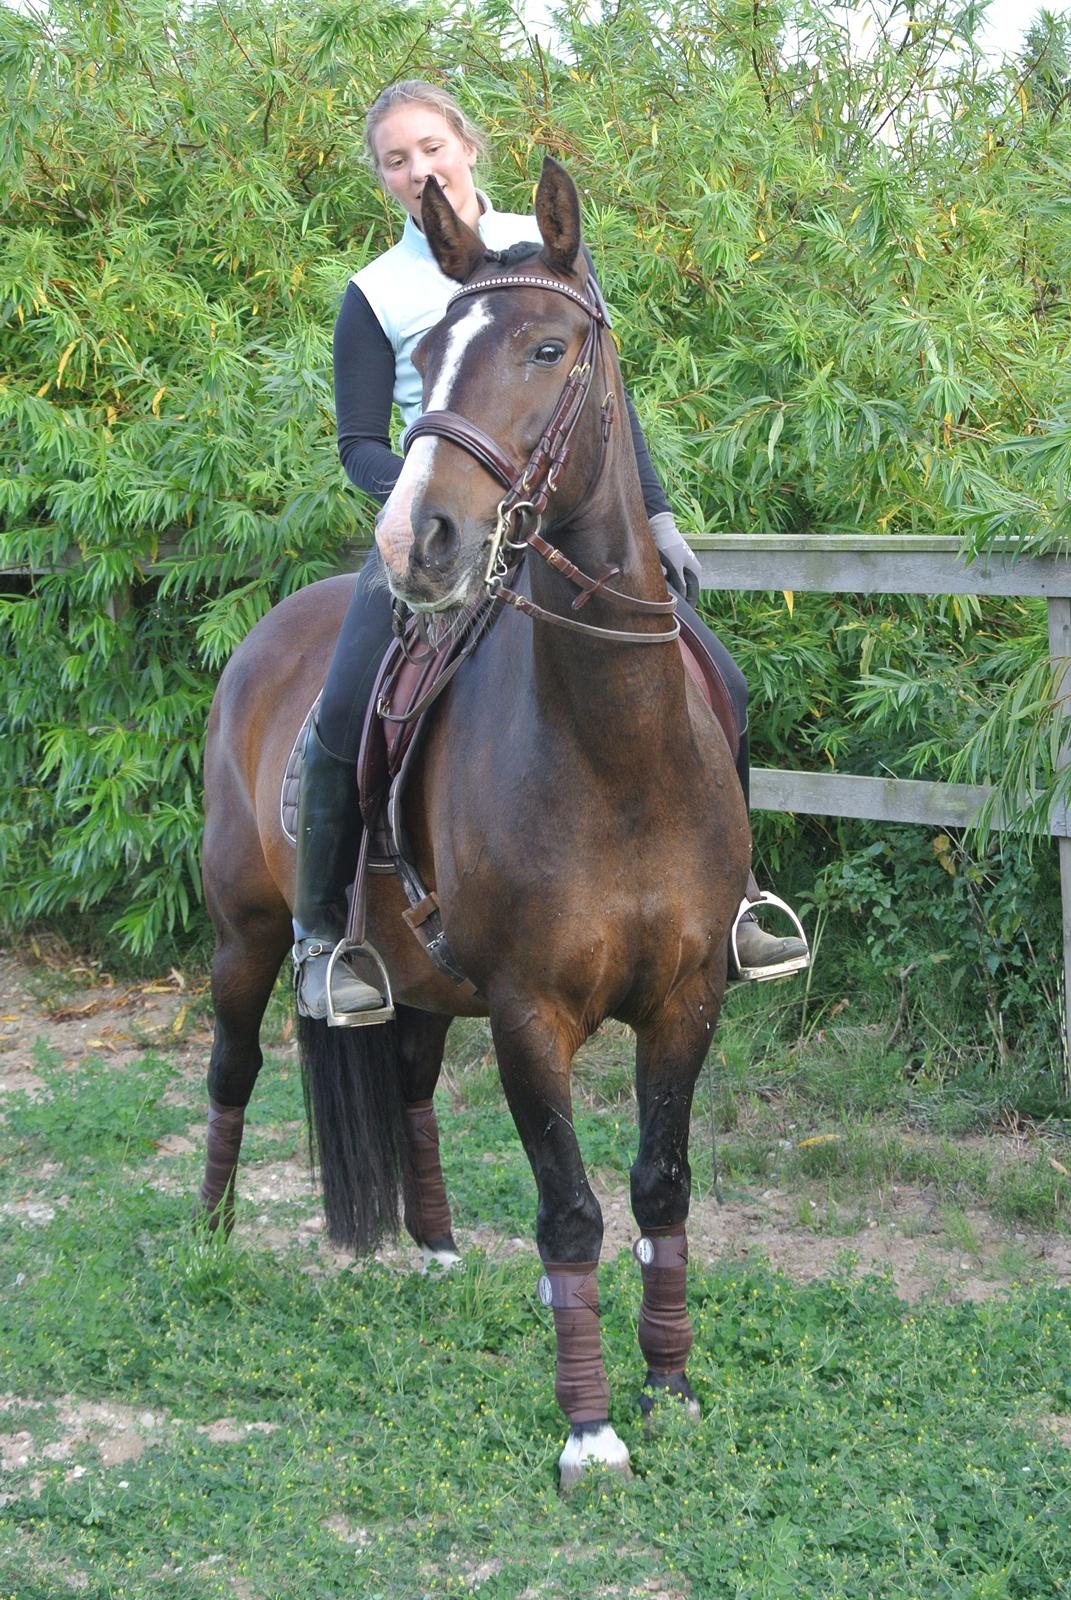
<point x="415" y="129"/>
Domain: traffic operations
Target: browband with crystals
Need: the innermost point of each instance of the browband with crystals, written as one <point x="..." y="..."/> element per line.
<point x="525" y="280"/>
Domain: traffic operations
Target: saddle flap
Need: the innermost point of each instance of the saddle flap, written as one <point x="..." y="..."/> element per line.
<point x="703" y="670"/>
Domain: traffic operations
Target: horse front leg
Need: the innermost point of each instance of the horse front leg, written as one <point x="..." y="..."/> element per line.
<point x="535" y="1050"/>
<point x="421" y="1040"/>
<point x="669" y="1056"/>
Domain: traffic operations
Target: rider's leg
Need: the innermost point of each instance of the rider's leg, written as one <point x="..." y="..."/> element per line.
<point x="757" y="950"/>
<point x="329" y="820"/>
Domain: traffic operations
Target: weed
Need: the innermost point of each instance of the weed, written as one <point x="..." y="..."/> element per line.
<point x="961" y="1231"/>
<point x="100" y="1115"/>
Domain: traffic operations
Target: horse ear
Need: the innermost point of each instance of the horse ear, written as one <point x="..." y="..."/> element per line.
<point x="558" y="214"/>
<point x="457" y="248"/>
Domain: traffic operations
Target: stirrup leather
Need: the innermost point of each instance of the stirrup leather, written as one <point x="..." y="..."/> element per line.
<point x="776" y="969"/>
<point x="359" y="1019"/>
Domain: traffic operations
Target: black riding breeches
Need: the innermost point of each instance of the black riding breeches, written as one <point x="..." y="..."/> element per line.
<point x="362" y="639"/>
<point x="366" y="632"/>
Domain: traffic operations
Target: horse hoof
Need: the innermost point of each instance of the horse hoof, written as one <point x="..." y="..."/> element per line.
<point x="673" y="1387"/>
<point x="591" y="1448"/>
<point x="439" y="1260"/>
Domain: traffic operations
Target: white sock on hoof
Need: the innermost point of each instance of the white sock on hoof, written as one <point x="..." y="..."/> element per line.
<point x="600" y="1448"/>
<point x="439" y="1260"/>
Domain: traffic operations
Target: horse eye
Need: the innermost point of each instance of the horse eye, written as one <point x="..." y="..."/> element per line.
<point x="549" y="354"/>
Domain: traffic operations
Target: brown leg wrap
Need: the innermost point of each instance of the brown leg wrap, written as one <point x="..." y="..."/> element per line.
<point x="225" y="1124"/>
<point x="427" y="1211"/>
<point x="665" y="1330"/>
<point x="580" y="1378"/>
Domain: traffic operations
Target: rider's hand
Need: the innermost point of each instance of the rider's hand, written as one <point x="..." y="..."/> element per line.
<point x="678" y="558"/>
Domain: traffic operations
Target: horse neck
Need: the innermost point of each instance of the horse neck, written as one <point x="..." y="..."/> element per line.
<point x="598" y="686"/>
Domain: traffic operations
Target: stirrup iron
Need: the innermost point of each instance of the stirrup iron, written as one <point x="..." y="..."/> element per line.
<point x="374" y="1014"/>
<point x="776" y="969"/>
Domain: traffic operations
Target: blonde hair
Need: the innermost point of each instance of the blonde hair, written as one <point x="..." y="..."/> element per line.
<point x="414" y="91"/>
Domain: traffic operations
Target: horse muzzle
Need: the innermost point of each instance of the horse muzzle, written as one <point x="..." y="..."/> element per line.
<point x="432" y="560"/>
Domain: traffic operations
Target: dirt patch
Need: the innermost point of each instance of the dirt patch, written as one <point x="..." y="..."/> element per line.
<point x="71" y="1008"/>
<point x="906" y="1241"/>
<point x="118" y="1433"/>
<point x="1060" y="1428"/>
<point x="228" y="1430"/>
<point x="53" y="1000"/>
<point x="348" y="1532"/>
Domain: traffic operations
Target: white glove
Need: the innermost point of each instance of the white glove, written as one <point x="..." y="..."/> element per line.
<point x="678" y="558"/>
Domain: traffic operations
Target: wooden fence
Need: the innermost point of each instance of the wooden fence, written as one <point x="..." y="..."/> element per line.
<point x="897" y="564"/>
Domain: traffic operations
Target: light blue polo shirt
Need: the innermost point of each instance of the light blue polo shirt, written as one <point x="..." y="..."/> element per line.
<point x="409" y="295"/>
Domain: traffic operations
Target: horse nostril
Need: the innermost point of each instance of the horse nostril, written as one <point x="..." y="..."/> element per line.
<point x="436" y="543"/>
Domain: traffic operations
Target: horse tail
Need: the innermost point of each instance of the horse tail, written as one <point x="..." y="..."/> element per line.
<point x="353" y="1104"/>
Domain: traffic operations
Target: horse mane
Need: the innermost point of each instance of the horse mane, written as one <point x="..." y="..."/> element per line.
<point x="514" y="254"/>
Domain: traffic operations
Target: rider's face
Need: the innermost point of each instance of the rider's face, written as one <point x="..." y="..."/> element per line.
<point x="414" y="142"/>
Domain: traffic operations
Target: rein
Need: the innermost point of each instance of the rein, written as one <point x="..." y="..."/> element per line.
<point x="529" y="488"/>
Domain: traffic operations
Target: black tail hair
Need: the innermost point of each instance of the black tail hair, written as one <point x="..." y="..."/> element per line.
<point x="353" y="1103"/>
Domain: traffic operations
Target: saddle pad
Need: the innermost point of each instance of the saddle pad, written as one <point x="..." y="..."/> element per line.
<point x="703" y="669"/>
<point x="380" y="853"/>
<point x="288" y="794"/>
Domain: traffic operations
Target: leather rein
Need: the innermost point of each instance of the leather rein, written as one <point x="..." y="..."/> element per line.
<point x="529" y="488"/>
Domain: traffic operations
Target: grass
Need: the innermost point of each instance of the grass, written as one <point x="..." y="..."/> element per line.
<point x="396" y="1438"/>
<point x="848" y="1447"/>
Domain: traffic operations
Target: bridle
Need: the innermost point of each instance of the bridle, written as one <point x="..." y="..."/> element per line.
<point x="529" y="488"/>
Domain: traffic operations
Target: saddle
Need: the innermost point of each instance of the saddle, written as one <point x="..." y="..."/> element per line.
<point x="410" y="680"/>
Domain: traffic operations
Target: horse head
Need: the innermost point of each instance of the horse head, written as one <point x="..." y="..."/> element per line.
<point x="506" y="420"/>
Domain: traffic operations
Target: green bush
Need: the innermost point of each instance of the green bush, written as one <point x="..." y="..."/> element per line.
<point x="840" y="296"/>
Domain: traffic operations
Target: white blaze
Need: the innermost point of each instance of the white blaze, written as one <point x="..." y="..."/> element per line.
<point x="394" y="530"/>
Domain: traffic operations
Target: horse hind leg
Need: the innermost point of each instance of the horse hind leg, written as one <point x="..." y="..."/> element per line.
<point x="668" y="1061"/>
<point x="426" y="1214"/>
<point x="244" y="968"/>
<point x="370" y="1100"/>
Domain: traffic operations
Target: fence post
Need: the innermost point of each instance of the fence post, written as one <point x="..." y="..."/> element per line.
<point x="1060" y="653"/>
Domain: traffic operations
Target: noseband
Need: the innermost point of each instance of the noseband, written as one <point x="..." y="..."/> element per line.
<point x="529" y="488"/>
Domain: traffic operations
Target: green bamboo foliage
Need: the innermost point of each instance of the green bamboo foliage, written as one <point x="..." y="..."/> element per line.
<point x="840" y="293"/>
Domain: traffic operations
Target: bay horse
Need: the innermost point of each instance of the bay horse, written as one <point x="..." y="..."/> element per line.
<point x="577" y="812"/>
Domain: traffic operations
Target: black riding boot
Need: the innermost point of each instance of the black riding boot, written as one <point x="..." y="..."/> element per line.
<point x="328" y="844"/>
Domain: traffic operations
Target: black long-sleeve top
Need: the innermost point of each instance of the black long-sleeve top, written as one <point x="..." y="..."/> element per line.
<point x="364" y="392"/>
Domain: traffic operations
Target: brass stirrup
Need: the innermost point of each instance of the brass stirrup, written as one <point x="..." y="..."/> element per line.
<point x="372" y="1014"/>
<point x="775" y="969"/>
